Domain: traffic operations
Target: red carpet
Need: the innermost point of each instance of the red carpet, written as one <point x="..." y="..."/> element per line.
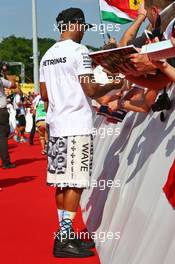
<point x="28" y="214"/>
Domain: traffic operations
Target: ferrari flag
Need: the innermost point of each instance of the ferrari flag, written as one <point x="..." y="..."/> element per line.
<point x="119" y="11"/>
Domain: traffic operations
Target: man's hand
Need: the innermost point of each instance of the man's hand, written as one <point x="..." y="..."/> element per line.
<point x="142" y="63"/>
<point x="160" y="64"/>
<point x="112" y="40"/>
<point x="113" y="105"/>
<point x="153" y="82"/>
<point x="118" y="83"/>
<point x="130" y="70"/>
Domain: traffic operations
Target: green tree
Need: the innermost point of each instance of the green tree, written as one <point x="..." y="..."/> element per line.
<point x="17" y="49"/>
<point x="13" y="49"/>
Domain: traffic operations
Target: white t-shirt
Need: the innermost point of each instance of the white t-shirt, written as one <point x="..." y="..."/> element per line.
<point x="16" y="101"/>
<point x="69" y="111"/>
<point x="3" y="84"/>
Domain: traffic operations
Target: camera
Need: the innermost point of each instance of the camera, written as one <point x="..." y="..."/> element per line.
<point x="163" y="103"/>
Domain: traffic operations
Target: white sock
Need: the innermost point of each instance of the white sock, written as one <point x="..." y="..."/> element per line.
<point x="67" y="219"/>
<point x="60" y="215"/>
<point x="69" y="215"/>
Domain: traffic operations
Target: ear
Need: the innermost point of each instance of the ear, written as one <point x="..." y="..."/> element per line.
<point x="155" y="11"/>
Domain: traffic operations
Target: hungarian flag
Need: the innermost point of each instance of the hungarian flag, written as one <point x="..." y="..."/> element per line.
<point x="119" y="11"/>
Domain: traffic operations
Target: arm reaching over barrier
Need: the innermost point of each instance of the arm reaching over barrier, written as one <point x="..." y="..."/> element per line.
<point x="132" y="31"/>
<point x="136" y="100"/>
<point x="160" y="81"/>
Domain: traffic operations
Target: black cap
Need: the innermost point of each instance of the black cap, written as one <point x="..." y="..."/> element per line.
<point x="72" y="15"/>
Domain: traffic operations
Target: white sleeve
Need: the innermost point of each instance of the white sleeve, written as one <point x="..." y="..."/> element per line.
<point x="17" y="99"/>
<point x="6" y="83"/>
<point x="83" y="61"/>
<point x="36" y="101"/>
<point x="42" y="79"/>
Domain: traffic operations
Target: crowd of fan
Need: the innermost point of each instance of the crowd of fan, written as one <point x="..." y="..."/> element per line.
<point x="17" y="105"/>
<point x="148" y="79"/>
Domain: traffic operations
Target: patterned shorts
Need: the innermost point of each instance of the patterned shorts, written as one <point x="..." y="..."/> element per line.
<point x="70" y="161"/>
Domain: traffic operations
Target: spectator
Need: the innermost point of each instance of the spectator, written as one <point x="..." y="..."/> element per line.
<point x="39" y="107"/>
<point x="136" y="100"/>
<point x="18" y="104"/>
<point x="142" y="63"/>
<point x="4" y="125"/>
<point x="166" y="68"/>
<point x="129" y="37"/>
<point x="32" y="132"/>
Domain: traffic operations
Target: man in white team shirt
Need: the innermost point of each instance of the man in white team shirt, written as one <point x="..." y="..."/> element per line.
<point x="67" y="83"/>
